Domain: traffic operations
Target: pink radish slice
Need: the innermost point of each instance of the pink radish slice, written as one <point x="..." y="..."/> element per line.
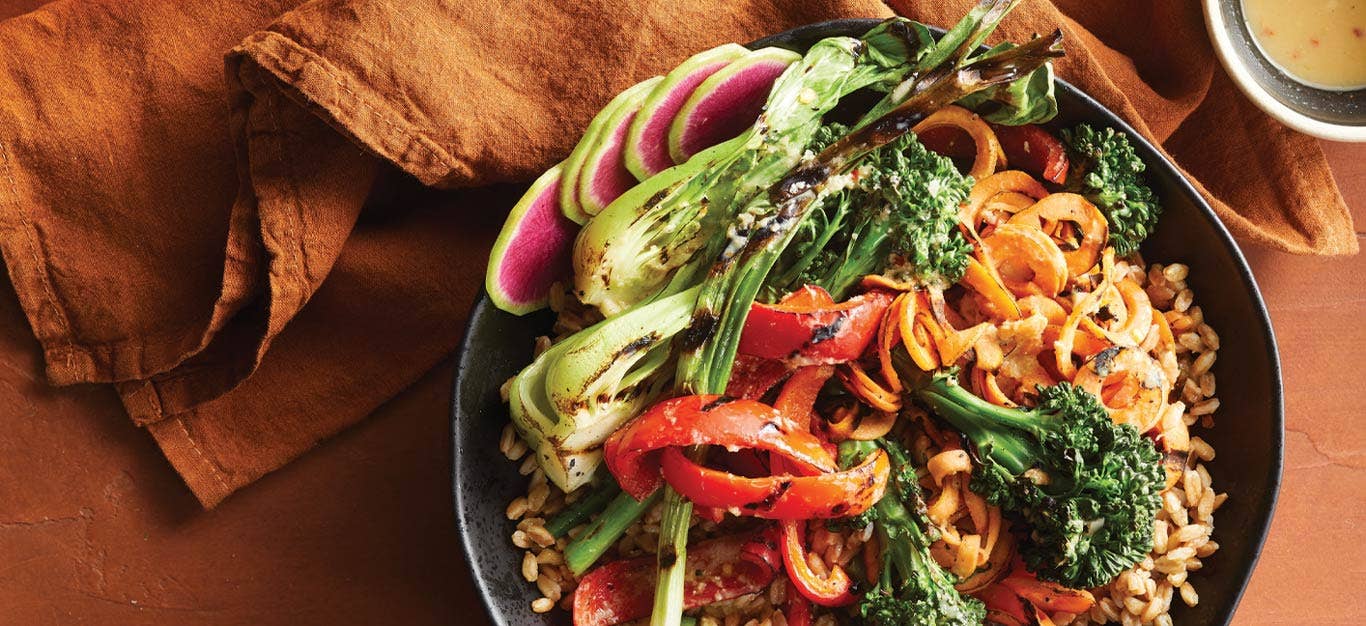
<point x="604" y="176"/>
<point x="647" y="145"/>
<point x="568" y="190"/>
<point x="600" y="130"/>
<point x="727" y="103"/>
<point x="532" y="251"/>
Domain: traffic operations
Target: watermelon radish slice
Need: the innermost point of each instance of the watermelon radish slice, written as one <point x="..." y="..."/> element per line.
<point x="569" y="191"/>
<point x="598" y="130"/>
<point x="604" y="175"/>
<point x="647" y="145"/>
<point x="532" y="250"/>
<point x="727" y="102"/>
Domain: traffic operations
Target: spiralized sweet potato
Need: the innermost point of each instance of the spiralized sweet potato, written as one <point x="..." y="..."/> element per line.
<point x="1076" y="225"/>
<point x="1007" y="189"/>
<point x="987" y="154"/>
<point x="1028" y="261"/>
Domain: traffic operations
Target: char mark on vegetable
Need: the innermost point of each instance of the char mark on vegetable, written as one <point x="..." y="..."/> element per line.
<point x="717" y="403"/>
<point x="769" y="500"/>
<point x="700" y="330"/>
<point x="827" y="331"/>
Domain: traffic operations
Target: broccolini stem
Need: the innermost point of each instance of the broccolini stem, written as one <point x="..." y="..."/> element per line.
<point x="974" y="416"/>
<point x="974" y="419"/>
<point x="603" y="533"/>
<point x="582" y="509"/>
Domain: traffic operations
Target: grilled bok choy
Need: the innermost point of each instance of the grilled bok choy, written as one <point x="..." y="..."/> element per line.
<point x="575" y="394"/>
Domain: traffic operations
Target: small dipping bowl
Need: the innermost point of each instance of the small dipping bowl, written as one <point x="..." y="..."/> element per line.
<point x="1333" y="114"/>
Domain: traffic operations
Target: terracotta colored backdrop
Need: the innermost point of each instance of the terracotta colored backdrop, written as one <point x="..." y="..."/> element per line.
<point x="96" y="528"/>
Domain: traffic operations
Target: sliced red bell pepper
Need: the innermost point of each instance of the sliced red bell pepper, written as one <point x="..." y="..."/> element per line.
<point x="632" y="453"/>
<point x="717" y="569"/>
<point x="820" y="496"/>
<point x="1048" y="596"/>
<point x="1035" y="150"/>
<point x="1001" y="599"/>
<point x="798" y="611"/>
<point x="797" y="400"/>
<point x="835" y="589"/>
<point x="808" y="296"/>
<point x="809" y="328"/>
<point x="949" y="141"/>
<point x="751" y="377"/>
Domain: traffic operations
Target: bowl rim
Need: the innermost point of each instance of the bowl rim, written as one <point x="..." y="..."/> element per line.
<point x="1261" y="519"/>
<point x="1224" y="48"/>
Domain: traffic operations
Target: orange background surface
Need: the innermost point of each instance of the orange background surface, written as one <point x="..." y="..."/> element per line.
<point x="96" y="528"/>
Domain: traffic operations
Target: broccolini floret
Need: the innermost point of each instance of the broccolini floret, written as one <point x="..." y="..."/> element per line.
<point x="1086" y="489"/>
<point x="911" y="589"/>
<point x="900" y="217"/>
<point x="1106" y="170"/>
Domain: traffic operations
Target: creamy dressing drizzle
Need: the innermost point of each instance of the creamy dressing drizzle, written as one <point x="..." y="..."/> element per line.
<point x="1321" y="43"/>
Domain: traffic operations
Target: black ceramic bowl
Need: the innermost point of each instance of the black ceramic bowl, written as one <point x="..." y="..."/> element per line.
<point x="1248" y="438"/>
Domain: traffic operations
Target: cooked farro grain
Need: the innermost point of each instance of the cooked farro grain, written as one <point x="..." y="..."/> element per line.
<point x="1189" y="596"/>
<point x="548" y="587"/>
<point x="530" y="568"/>
<point x="528" y="465"/>
<point x="517" y="508"/>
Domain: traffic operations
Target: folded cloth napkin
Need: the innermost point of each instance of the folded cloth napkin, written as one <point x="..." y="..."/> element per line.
<point x="205" y="234"/>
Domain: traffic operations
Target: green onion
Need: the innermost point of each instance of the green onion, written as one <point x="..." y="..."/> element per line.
<point x="582" y="509"/>
<point x="586" y="549"/>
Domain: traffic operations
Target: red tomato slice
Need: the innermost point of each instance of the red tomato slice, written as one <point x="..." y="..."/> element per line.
<point x="718" y="569"/>
<point x="1034" y="150"/>
<point x="806" y="331"/>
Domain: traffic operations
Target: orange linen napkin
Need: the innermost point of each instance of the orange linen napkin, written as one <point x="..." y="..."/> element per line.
<point x="211" y="241"/>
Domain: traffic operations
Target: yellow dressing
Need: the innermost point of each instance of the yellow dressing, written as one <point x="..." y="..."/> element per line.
<point x="1321" y="43"/>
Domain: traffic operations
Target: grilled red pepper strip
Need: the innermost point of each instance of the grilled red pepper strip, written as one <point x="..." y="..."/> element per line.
<point x="1004" y="605"/>
<point x="1034" y="150"/>
<point x="798" y="607"/>
<point x="820" y="496"/>
<point x="808" y="327"/>
<point x="798" y="397"/>
<point x="949" y="141"/>
<point x="832" y="590"/>
<point x="622" y="591"/>
<point x="751" y="377"/>
<point x="632" y="453"/>
<point x="1049" y="596"/>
